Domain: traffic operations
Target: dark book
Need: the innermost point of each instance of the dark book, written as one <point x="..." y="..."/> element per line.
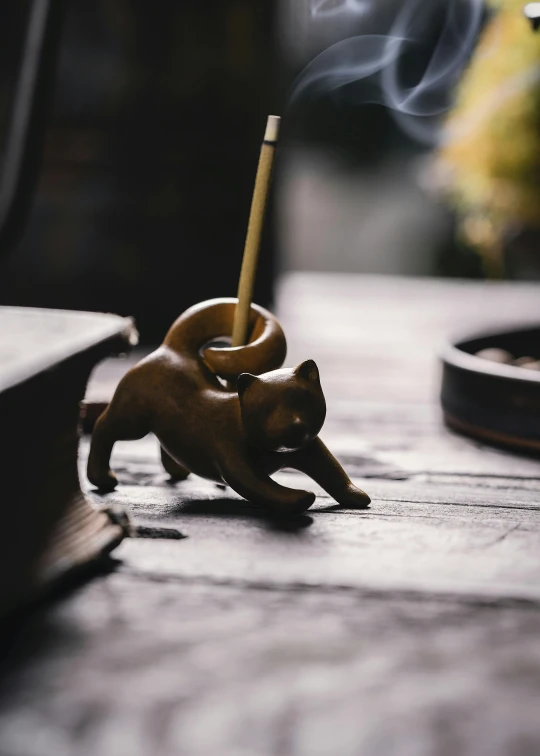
<point x="49" y="530"/>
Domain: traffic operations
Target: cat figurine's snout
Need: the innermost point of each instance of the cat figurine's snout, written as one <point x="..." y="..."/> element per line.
<point x="298" y="435"/>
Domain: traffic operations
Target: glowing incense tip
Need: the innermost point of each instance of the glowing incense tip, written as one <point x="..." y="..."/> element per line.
<point x="272" y="129"/>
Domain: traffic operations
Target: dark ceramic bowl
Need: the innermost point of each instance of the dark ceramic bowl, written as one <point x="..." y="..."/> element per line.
<point x="493" y="402"/>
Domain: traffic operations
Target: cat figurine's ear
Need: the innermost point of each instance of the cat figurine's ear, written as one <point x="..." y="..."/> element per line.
<point x="245" y="380"/>
<point x="308" y="370"/>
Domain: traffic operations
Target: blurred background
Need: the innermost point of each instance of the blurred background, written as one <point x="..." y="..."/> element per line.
<point x="353" y="193"/>
<point x="153" y="137"/>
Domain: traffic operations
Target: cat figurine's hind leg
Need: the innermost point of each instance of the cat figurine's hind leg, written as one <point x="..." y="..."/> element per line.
<point x="177" y="471"/>
<point x="125" y="419"/>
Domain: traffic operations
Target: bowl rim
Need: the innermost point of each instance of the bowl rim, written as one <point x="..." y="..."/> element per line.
<point x="453" y="354"/>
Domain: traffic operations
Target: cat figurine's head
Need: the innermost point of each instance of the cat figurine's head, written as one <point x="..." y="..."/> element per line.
<point x="282" y="410"/>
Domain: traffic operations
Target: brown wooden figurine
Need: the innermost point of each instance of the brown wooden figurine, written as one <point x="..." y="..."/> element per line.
<point x="238" y="436"/>
<point x="229" y="414"/>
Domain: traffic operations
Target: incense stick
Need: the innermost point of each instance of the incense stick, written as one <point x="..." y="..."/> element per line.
<point x="255" y="226"/>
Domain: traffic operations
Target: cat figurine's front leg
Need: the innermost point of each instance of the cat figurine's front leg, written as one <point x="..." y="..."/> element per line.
<point x="250" y="481"/>
<point x="319" y="463"/>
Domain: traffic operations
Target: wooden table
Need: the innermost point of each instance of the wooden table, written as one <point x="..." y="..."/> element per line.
<point x="411" y="629"/>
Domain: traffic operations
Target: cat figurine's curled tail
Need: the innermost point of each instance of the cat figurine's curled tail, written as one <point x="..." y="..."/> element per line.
<point x="240" y="436"/>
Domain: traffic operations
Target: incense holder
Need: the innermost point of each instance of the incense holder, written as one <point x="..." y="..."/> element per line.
<point x="232" y="415"/>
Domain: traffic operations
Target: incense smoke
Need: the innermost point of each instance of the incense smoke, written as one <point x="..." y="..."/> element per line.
<point x="327" y="8"/>
<point x="378" y="60"/>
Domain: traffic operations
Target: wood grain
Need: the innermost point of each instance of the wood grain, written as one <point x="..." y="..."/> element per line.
<point x="410" y="629"/>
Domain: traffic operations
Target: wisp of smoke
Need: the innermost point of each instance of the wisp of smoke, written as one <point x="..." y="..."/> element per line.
<point x="320" y="8"/>
<point x="377" y="59"/>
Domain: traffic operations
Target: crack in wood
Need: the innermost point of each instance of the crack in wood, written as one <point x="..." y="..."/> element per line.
<point x="387" y="595"/>
<point x="502" y="537"/>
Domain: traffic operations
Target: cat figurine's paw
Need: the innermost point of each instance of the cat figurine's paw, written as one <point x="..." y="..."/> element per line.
<point x="104" y="481"/>
<point x="353" y="498"/>
<point x="294" y="504"/>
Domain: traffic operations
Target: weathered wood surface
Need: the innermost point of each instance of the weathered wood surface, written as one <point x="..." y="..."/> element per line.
<point x="409" y="629"/>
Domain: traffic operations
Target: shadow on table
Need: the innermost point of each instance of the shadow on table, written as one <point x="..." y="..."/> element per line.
<point x="240" y="509"/>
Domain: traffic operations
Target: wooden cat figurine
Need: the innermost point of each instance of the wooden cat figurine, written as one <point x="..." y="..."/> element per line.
<point x="239" y="437"/>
